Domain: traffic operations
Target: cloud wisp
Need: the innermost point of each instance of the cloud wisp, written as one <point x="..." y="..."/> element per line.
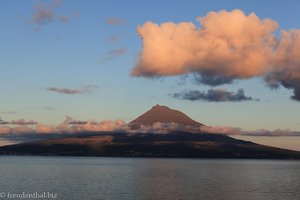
<point x="213" y="95"/>
<point x="83" y="90"/>
<point x="64" y="18"/>
<point x="43" y="14"/>
<point x="21" y="122"/>
<point x="9" y="112"/>
<point x="48" y="108"/>
<point x="113" y="38"/>
<point x="63" y="90"/>
<point x="2" y="121"/>
<point x="114" y="53"/>
<point x="46" y="12"/>
<point x="228" y="46"/>
<point x="225" y="130"/>
<point x="114" y="21"/>
<point x="57" y="3"/>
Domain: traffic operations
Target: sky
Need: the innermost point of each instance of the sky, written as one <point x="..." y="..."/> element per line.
<point x="115" y="60"/>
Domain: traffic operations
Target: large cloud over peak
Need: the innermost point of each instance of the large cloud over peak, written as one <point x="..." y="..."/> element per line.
<point x="286" y="62"/>
<point x="228" y="45"/>
<point x="237" y="27"/>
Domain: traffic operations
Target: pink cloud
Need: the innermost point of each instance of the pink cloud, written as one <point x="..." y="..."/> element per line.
<point x="228" y="45"/>
<point x="43" y="15"/>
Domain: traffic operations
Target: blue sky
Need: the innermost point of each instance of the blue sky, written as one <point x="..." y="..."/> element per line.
<point x="77" y="53"/>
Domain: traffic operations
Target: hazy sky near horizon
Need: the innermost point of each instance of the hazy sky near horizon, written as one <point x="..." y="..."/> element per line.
<point x="75" y="58"/>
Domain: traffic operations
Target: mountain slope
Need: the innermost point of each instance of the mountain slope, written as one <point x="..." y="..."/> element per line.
<point x="176" y="144"/>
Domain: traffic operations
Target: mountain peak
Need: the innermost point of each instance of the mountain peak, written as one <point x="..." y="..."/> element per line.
<point x="163" y="114"/>
<point x="159" y="107"/>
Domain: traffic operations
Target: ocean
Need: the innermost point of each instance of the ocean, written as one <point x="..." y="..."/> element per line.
<point x="84" y="178"/>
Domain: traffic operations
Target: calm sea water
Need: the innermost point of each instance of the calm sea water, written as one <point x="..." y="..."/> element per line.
<point x="144" y="178"/>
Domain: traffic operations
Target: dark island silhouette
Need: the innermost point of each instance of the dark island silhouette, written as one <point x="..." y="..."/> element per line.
<point x="173" y="144"/>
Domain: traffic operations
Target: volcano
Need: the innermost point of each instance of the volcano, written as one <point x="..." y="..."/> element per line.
<point x="163" y="114"/>
<point x="175" y="144"/>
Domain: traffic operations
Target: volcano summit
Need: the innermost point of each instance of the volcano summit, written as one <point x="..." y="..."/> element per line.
<point x="163" y="114"/>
